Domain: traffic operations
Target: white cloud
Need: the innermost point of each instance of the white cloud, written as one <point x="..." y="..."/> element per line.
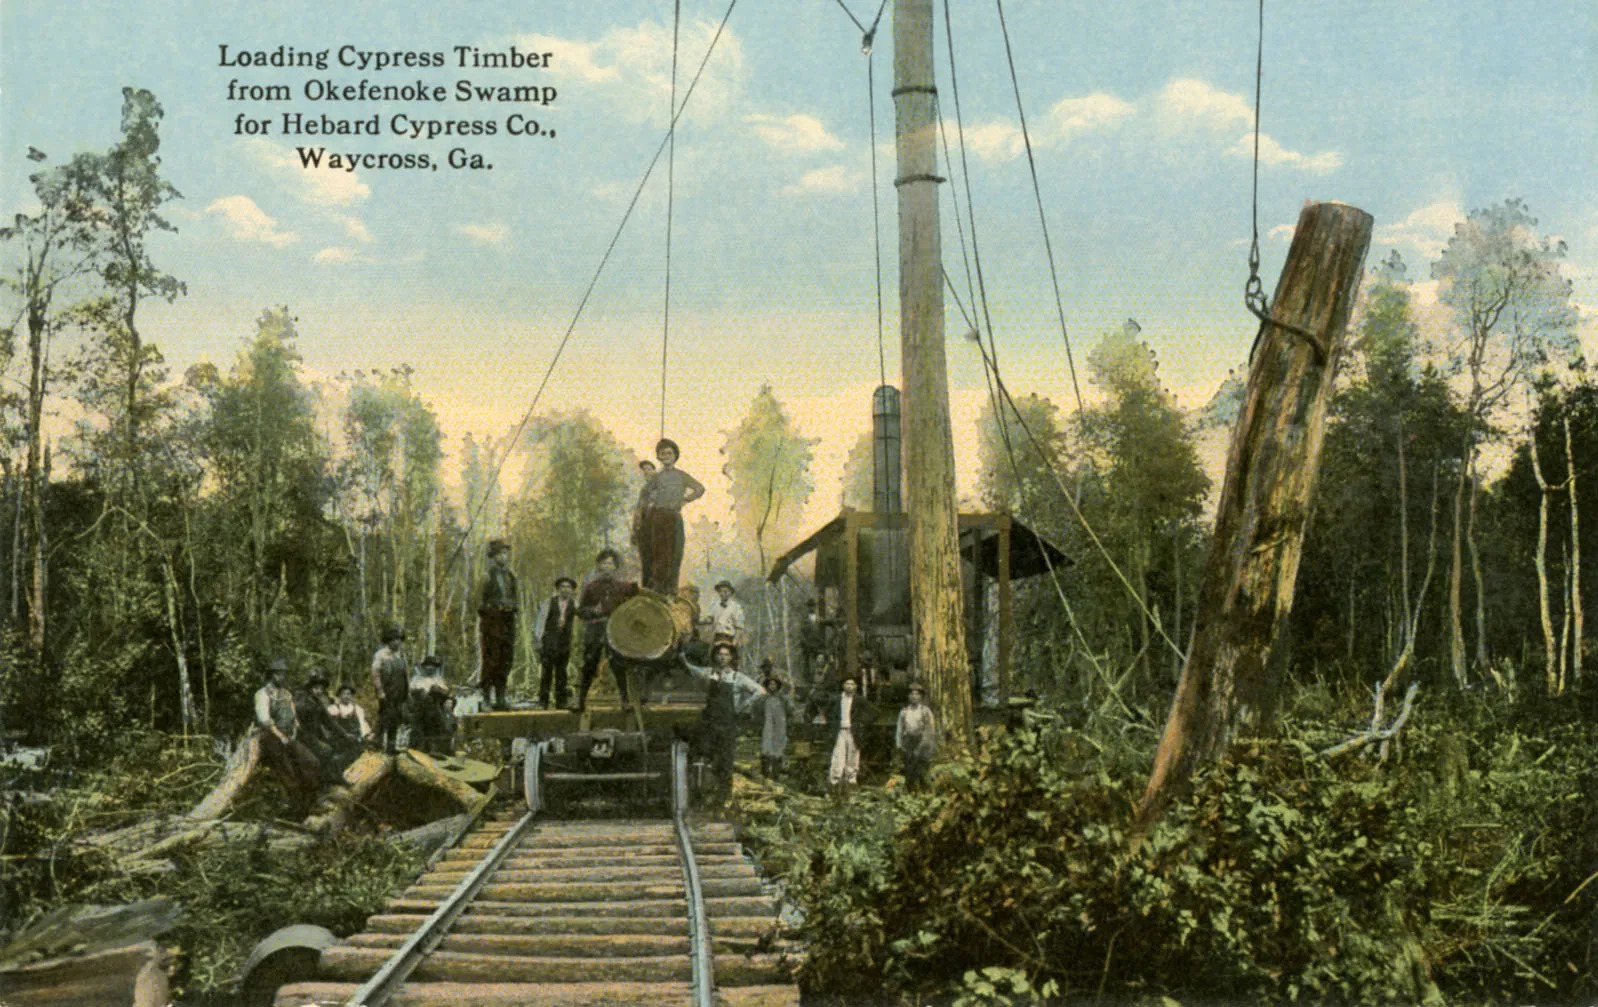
<point x="834" y="179"/>
<point x="991" y="141"/>
<point x="631" y="68"/>
<point x="1425" y="231"/>
<point x="335" y="255"/>
<point x="1273" y="153"/>
<point x="488" y="234"/>
<point x="1282" y="232"/>
<point x="355" y="228"/>
<point x="1198" y="101"/>
<point x="1076" y="115"/>
<point x="799" y="134"/>
<point x="249" y="222"/>
<point x="323" y="186"/>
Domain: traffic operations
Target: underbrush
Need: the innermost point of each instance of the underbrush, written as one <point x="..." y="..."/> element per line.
<point x="1451" y="871"/>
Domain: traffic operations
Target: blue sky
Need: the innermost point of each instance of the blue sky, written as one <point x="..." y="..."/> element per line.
<point x="1140" y="116"/>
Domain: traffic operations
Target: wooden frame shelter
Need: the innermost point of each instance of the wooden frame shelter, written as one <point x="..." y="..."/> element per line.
<point x="994" y="546"/>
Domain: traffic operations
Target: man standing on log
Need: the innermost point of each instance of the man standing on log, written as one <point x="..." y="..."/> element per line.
<point x="600" y="596"/>
<point x="391" y="680"/>
<point x="275" y="716"/>
<point x="496" y="615"/>
<point x="660" y="528"/>
<point x="552" y="632"/>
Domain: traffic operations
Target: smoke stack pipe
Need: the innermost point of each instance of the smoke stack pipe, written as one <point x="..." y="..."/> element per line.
<point x="885" y="471"/>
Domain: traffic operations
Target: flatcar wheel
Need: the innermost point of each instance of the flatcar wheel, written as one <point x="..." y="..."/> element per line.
<point x="532" y="785"/>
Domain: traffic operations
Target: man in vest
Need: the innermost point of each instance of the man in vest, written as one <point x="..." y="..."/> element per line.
<point x="496" y="620"/>
<point x="552" y="632"/>
<point x="391" y="680"/>
<point x="279" y="723"/>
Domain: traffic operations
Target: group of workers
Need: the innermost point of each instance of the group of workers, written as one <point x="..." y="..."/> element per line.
<point x="312" y="736"/>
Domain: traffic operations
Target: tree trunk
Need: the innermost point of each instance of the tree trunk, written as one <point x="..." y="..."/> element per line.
<point x="1577" y="614"/>
<point x="37" y="378"/>
<point x="935" y="595"/>
<point x="1482" y="660"/>
<point x="1544" y="603"/>
<point x="1247" y="597"/>
<point x="1456" y="578"/>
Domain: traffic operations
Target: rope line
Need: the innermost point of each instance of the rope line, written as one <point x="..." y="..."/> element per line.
<point x="1037" y="194"/>
<point x="582" y="303"/>
<point x="991" y="359"/>
<point x="849" y="12"/>
<point x="671" y="171"/>
<point x="1254" y="289"/>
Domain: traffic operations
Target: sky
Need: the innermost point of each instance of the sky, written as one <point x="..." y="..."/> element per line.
<point x="1140" y="116"/>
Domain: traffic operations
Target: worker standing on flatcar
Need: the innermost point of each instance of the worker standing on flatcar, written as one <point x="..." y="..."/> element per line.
<point x="552" y="634"/>
<point x="600" y="596"/>
<point x="660" y="527"/>
<point x="496" y="620"/>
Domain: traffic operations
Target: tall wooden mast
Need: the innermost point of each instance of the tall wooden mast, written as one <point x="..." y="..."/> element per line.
<point x="935" y="587"/>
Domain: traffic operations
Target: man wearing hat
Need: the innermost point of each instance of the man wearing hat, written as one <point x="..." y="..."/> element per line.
<point x="659" y="521"/>
<point x="600" y="596"/>
<point x="916" y="738"/>
<point x="496" y="620"/>
<point x="774" y="710"/>
<point x="847" y="716"/>
<point x="552" y="633"/>
<point x="726" y="618"/>
<point x="718" y="721"/>
<point x="391" y="680"/>
<point x="279" y="723"/>
<point x="317" y="729"/>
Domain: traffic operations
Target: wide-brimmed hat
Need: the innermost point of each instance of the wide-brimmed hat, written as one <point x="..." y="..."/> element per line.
<point x="918" y="687"/>
<point x="274" y="666"/>
<point x="432" y="661"/>
<point x="497" y="545"/>
<point x="565" y="580"/>
<point x="725" y="584"/>
<point x="316" y="676"/>
<point x="392" y="633"/>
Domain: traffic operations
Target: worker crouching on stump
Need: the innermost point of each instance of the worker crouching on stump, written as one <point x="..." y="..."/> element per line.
<point x="496" y="621"/>
<point x="275" y="716"/>
<point x="391" y="680"/>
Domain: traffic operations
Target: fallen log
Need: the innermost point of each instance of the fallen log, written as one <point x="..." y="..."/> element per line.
<point x="241" y="763"/>
<point x="90" y="956"/>
<point x="424" y="770"/>
<point x="361" y="780"/>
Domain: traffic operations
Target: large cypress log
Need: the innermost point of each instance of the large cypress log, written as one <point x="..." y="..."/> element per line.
<point x="1247" y="595"/>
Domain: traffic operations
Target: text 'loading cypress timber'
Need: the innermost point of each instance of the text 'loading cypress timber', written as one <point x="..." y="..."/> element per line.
<point x="467" y="57"/>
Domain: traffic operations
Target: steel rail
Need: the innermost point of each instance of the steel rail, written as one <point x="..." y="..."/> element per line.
<point x="704" y="981"/>
<point x="376" y="991"/>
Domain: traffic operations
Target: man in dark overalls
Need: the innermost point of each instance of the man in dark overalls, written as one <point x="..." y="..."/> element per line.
<point x="496" y="620"/>
<point x="718" y="723"/>
<point x="391" y="680"/>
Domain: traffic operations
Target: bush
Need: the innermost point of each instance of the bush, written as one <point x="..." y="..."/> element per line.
<point x="1281" y="877"/>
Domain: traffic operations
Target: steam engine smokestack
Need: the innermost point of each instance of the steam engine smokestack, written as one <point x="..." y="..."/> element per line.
<point x="885" y="471"/>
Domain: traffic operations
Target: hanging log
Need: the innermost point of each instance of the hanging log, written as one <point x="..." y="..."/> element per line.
<point x="649" y="626"/>
<point x="1247" y="594"/>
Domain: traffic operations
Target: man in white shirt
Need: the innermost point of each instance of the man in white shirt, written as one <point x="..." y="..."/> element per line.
<point x="726" y="618"/>
<point x="847" y="715"/>
<point x="916" y="738"/>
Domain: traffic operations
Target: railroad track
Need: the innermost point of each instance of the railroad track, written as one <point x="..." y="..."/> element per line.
<point x="525" y="911"/>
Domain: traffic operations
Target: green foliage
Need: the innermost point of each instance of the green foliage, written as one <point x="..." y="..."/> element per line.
<point x="1283" y="877"/>
<point x="768" y="464"/>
